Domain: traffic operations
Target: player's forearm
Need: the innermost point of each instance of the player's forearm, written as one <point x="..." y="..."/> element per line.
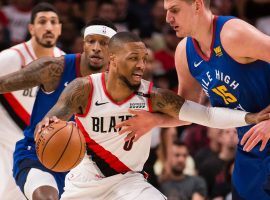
<point x="45" y="71"/>
<point x="165" y="121"/>
<point x="61" y="112"/>
<point x="16" y="81"/>
<point x="214" y="116"/>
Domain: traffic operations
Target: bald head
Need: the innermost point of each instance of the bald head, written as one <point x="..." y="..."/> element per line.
<point x="120" y="39"/>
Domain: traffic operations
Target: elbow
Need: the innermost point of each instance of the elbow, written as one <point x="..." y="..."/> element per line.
<point x="186" y="123"/>
<point x="2" y="86"/>
<point x="183" y="123"/>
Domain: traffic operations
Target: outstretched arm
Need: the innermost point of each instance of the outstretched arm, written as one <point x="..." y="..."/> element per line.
<point x="168" y="102"/>
<point x="72" y="101"/>
<point x="45" y="71"/>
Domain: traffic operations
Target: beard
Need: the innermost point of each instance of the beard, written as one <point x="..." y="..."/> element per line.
<point x="133" y="87"/>
<point x="46" y="44"/>
<point x="96" y="68"/>
<point x="177" y="171"/>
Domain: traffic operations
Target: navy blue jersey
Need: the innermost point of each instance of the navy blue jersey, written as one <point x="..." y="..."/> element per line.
<point x="25" y="148"/>
<point x="238" y="86"/>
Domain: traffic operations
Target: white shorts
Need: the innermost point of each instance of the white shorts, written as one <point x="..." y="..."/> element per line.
<point x="8" y="188"/>
<point x="85" y="183"/>
<point x="37" y="178"/>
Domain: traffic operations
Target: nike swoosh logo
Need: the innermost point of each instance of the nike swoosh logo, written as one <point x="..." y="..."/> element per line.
<point x="99" y="104"/>
<point x="197" y="64"/>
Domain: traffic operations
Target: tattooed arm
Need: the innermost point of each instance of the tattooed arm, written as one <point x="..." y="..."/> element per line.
<point x="73" y="100"/>
<point x="45" y="71"/>
<point x="167" y="102"/>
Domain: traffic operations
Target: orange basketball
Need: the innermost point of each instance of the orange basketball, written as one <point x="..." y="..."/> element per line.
<point x="60" y="146"/>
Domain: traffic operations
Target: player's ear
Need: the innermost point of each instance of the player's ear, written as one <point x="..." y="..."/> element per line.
<point x="112" y="60"/>
<point x="198" y="5"/>
<point x="31" y="29"/>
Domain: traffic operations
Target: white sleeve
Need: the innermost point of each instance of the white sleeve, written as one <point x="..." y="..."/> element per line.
<point x="214" y="117"/>
<point x="10" y="61"/>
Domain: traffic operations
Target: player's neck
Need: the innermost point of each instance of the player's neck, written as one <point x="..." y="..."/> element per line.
<point x="203" y="32"/>
<point x="116" y="88"/>
<point x="40" y="51"/>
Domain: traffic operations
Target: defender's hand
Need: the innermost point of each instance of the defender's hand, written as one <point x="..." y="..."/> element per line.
<point x="259" y="132"/>
<point x="137" y="126"/>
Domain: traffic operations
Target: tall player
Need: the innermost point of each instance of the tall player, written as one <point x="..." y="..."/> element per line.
<point x="112" y="169"/>
<point x="15" y="107"/>
<point x="52" y="75"/>
<point x="228" y="59"/>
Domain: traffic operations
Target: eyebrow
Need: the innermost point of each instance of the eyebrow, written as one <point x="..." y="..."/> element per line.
<point x="43" y="17"/>
<point x="174" y="6"/>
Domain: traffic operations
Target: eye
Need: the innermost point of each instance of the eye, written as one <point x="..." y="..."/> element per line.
<point x="54" y="22"/>
<point x="42" y="22"/>
<point x="133" y="58"/>
<point x="90" y="41"/>
<point x="174" y="10"/>
<point x="103" y="43"/>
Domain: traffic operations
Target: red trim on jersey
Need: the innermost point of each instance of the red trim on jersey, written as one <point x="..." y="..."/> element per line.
<point x="89" y="98"/>
<point x="78" y="64"/>
<point x="18" y="108"/>
<point x="21" y="55"/>
<point x="106" y="155"/>
<point x="109" y="96"/>
<point x="198" y="49"/>
<point x="28" y="51"/>
<point x="149" y="99"/>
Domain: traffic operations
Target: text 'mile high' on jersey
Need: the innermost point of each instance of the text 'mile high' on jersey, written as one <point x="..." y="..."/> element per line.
<point x="238" y="86"/>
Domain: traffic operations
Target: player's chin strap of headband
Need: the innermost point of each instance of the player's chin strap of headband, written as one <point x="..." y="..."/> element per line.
<point x="99" y="30"/>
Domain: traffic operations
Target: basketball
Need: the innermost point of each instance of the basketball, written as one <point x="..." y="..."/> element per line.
<point x="60" y="146"/>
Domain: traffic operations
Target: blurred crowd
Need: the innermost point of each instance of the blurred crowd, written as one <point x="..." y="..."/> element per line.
<point x="191" y="162"/>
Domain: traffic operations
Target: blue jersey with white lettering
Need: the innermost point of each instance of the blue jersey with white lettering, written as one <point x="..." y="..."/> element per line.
<point x="239" y="86"/>
<point x="25" y="148"/>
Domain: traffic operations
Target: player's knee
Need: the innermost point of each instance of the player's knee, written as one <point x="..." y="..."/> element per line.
<point x="45" y="193"/>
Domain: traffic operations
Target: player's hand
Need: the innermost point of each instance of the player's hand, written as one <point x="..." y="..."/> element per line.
<point x="255" y="118"/>
<point x="259" y="132"/>
<point x="140" y="124"/>
<point x="43" y="124"/>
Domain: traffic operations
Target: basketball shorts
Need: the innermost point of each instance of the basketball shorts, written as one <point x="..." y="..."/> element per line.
<point x="24" y="168"/>
<point x="86" y="182"/>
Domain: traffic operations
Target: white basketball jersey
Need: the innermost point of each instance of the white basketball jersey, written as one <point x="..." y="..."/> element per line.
<point x="108" y="149"/>
<point x="16" y="107"/>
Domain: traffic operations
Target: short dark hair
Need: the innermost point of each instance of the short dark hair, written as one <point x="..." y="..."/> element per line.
<point x="179" y="143"/>
<point x="121" y="38"/>
<point x="42" y="7"/>
<point x="101" y="21"/>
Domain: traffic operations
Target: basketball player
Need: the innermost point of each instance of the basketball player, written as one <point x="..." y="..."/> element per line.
<point x="15" y="107"/>
<point x="228" y="60"/>
<point x="112" y="168"/>
<point x="52" y="75"/>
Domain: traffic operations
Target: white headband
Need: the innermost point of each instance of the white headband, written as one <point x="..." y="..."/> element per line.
<point x="99" y="30"/>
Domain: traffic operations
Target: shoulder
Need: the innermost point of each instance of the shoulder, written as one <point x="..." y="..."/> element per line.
<point x="82" y="82"/>
<point x="180" y="52"/>
<point x="11" y="60"/>
<point x="181" y="47"/>
<point x="233" y="28"/>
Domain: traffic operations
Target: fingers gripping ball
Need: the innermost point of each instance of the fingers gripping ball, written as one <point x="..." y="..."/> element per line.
<point x="60" y="146"/>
